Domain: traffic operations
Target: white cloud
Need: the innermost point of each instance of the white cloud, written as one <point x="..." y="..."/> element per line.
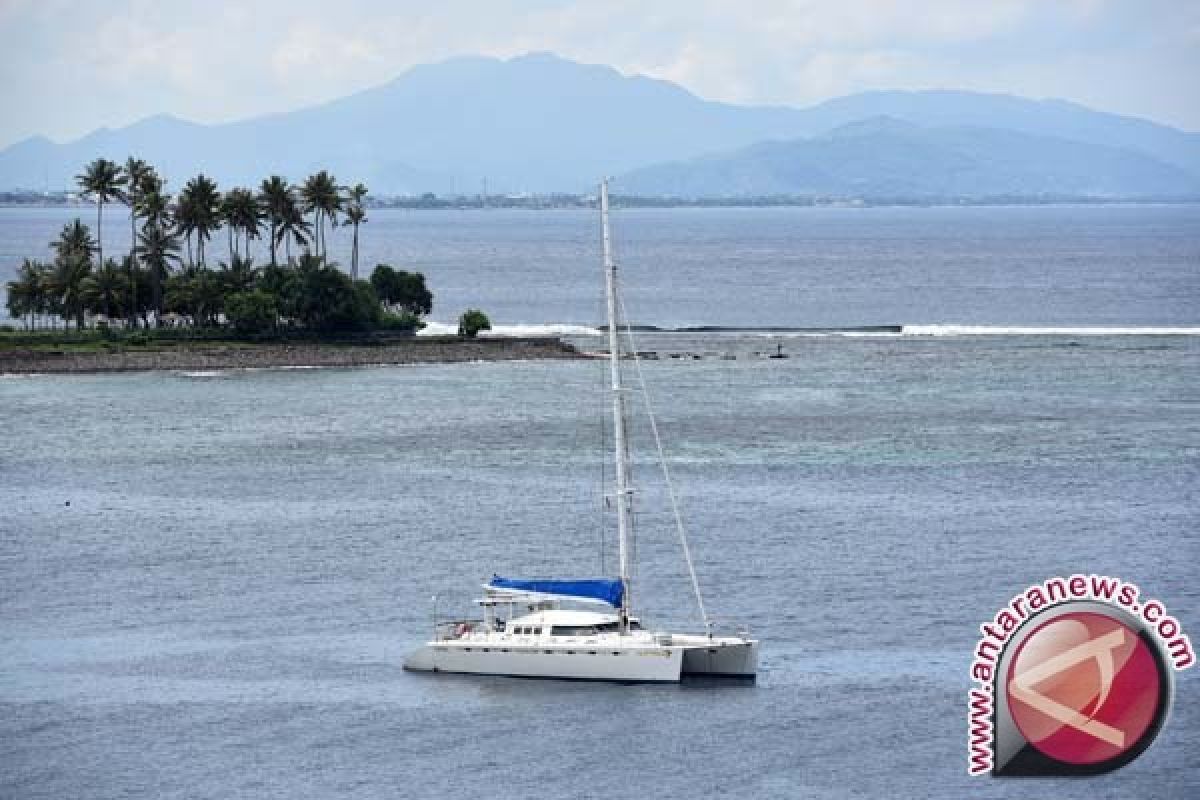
<point x="69" y="67"/>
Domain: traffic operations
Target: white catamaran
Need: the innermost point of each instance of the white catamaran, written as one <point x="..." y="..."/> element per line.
<point x="526" y="631"/>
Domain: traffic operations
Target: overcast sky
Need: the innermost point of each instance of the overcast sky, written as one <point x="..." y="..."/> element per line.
<point x="69" y="67"/>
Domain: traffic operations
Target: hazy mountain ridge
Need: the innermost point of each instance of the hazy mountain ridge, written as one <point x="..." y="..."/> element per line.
<point x="884" y="157"/>
<point x="542" y="123"/>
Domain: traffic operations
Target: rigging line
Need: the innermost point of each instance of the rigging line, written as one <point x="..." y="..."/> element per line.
<point x="603" y="515"/>
<point x="603" y="417"/>
<point x="662" y="460"/>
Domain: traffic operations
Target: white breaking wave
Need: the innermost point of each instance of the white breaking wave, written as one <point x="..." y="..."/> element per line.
<point x="513" y="331"/>
<point x="826" y="334"/>
<point x="1003" y="330"/>
<point x="567" y="329"/>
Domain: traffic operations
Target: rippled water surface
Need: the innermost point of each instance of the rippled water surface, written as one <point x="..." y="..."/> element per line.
<point x="208" y="582"/>
<point x="801" y="267"/>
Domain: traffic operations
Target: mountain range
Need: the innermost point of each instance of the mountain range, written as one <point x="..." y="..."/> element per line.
<point x="540" y="123"/>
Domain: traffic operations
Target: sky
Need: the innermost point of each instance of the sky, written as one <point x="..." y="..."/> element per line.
<point x="67" y="68"/>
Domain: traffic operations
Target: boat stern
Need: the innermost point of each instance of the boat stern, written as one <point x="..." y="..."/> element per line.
<point x="421" y="660"/>
<point x="731" y="657"/>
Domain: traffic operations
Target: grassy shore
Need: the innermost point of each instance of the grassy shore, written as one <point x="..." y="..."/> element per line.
<point x="50" y="352"/>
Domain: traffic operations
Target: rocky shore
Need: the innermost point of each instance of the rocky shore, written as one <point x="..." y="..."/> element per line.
<point x="243" y="355"/>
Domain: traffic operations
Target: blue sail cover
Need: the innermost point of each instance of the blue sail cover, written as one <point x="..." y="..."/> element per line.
<point x="603" y="589"/>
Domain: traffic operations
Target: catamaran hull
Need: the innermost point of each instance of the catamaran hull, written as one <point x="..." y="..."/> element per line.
<point x="628" y="665"/>
<point x="725" y="660"/>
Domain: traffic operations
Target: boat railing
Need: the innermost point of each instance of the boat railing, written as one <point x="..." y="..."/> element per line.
<point x="728" y="627"/>
<point x="449" y="630"/>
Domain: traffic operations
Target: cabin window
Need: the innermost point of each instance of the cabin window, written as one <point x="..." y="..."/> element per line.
<point x="591" y="630"/>
<point x="572" y="630"/>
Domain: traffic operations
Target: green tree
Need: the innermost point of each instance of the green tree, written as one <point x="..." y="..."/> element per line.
<point x="74" y="239"/>
<point x="355" y="215"/>
<point x="253" y="311"/>
<point x="328" y="300"/>
<point x="195" y="293"/>
<point x="283" y="284"/>
<point x="30" y="294"/>
<point x="293" y="226"/>
<point x="472" y="322"/>
<point x="139" y="177"/>
<point x="72" y="264"/>
<point x="70" y="277"/>
<point x="274" y="197"/>
<point x="323" y="201"/>
<point x="239" y="275"/>
<point x="159" y="249"/>
<point x="198" y="213"/>
<point x="242" y="215"/>
<point x="101" y="180"/>
<point x="401" y="290"/>
<point x="104" y="289"/>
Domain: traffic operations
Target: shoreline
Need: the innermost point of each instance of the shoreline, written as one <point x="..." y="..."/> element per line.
<point x="200" y="356"/>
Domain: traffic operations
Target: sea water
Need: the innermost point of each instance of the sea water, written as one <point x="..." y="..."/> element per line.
<point x="790" y="267"/>
<point x="208" y="580"/>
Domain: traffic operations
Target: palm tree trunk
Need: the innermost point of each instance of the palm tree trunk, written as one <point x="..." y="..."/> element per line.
<point x="354" y="256"/>
<point x="132" y="263"/>
<point x="273" y="243"/>
<point x="99" y="231"/>
<point x="157" y="284"/>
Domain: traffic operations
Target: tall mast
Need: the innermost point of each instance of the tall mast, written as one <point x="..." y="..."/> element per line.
<point x="623" y="493"/>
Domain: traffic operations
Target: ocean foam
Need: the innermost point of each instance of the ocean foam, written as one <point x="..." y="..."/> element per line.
<point x="868" y="332"/>
<point x="1004" y="330"/>
<point x="513" y="331"/>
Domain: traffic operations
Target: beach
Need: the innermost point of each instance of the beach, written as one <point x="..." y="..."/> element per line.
<point x="209" y="355"/>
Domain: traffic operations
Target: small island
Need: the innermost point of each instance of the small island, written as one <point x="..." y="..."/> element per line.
<point x="165" y="305"/>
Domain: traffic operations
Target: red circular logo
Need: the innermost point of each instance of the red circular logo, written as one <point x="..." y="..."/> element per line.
<point x="1084" y="688"/>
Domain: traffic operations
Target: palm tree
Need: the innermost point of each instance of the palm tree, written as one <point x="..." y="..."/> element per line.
<point x="154" y="206"/>
<point x="208" y="296"/>
<point x="293" y="226"/>
<point x="102" y="180"/>
<point x="321" y="198"/>
<point x="139" y="178"/>
<point x="159" y="249"/>
<point x="239" y="275"/>
<point x="242" y="214"/>
<point x="198" y="212"/>
<point x="355" y="215"/>
<point x="74" y="239"/>
<point x="102" y="290"/>
<point x="184" y="214"/>
<point x="70" y="275"/>
<point x="273" y="197"/>
<point x="28" y="295"/>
